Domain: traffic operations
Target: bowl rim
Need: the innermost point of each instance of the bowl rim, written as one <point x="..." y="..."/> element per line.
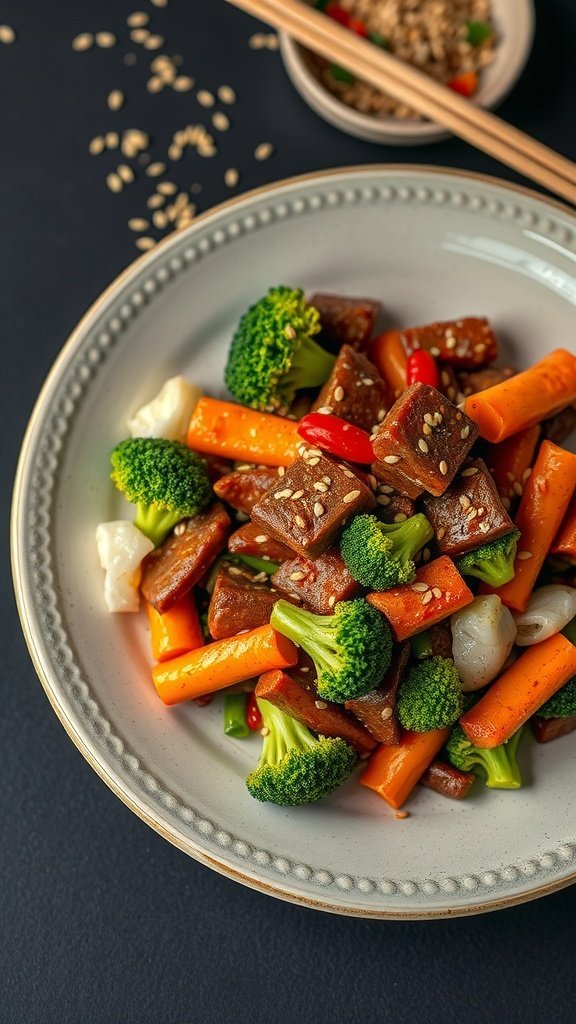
<point x="103" y="770"/>
<point x="393" y="130"/>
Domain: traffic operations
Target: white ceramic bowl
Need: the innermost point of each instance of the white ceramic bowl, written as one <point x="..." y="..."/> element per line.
<point x="514" y="20"/>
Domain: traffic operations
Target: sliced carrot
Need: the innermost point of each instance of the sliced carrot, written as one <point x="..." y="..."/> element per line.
<point x="542" y="508"/>
<point x="176" y="631"/>
<point x="228" y="661"/>
<point x="525" y="399"/>
<point x="517" y="695"/>
<point x="392" y="772"/>
<point x="234" y="432"/>
<point x="510" y="462"/>
<point x="410" y="610"/>
<point x="565" y="540"/>
<point x="389" y="355"/>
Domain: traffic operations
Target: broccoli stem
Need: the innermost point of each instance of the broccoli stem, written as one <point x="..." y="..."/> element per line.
<point x="285" y="733"/>
<point x="155" y="523"/>
<point x="500" y="765"/>
<point x="260" y="564"/>
<point x="235" y="715"/>
<point x="308" y="631"/>
<point x="311" y="366"/>
<point x="408" y="536"/>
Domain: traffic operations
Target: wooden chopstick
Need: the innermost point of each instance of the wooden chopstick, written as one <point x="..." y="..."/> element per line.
<point x="430" y="98"/>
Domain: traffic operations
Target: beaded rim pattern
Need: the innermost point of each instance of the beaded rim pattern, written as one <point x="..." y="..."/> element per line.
<point x="51" y="648"/>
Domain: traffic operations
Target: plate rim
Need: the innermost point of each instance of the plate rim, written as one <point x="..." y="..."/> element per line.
<point x="189" y="845"/>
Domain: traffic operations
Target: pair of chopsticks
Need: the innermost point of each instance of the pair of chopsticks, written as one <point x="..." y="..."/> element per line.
<point x="430" y="98"/>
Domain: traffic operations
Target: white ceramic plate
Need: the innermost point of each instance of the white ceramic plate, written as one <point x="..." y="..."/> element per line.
<point x="430" y="243"/>
<point x="514" y="21"/>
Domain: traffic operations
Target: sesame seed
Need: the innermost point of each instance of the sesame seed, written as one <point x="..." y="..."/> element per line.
<point x="7" y="35"/>
<point x="423" y="446"/>
<point x="265" y="731"/>
<point x="391" y="459"/>
<point x="111" y="139"/>
<point x="319" y="509"/>
<point x="471" y="514"/>
<point x="517" y="488"/>
<point x="114" y="182"/>
<point x="435" y="351"/>
<point x="402" y="815"/>
<point x="281" y="470"/>
<point x="299" y="522"/>
<point x="261" y="577"/>
<point x="484" y="527"/>
<point x="84" y="41"/>
<point x="296" y="495"/>
<point x="429" y="419"/>
<point x="464" y="501"/>
<point x="437" y="418"/>
<point x="297" y="575"/>
<point x="139" y="35"/>
<point x="220" y="121"/>
<point x="97" y="145"/>
<point x="138" y="224"/>
<point x="506" y="503"/>
<point x="264" y="151"/>
<point x="367" y="381"/>
<point x="443" y="467"/>
<point x="400" y="517"/>
<point x="426" y="555"/>
<point x="471" y="471"/>
<point x="386" y="713"/>
<point x="155" y="84"/>
<point x="451" y="343"/>
<point x="179" y="529"/>
<point x="437" y="592"/>
<point x="426" y="429"/>
<point x="385" y="489"/>
<point x="351" y="496"/>
<point x="145" y="243"/>
<point x="381" y="415"/>
<point x="523" y="556"/>
<point x="327" y="480"/>
<point x="261" y="538"/>
<point x="286" y="493"/>
<point x="319" y="485"/>
<point x="155" y="201"/>
<point x="427" y="597"/>
<point x="480" y="347"/>
<point x="347" y="472"/>
<point x="156" y="169"/>
<point x="465" y="432"/>
<point x="481" y="510"/>
<point x="314" y="451"/>
<point x="313" y="462"/>
<point x="325" y="410"/>
<point x="231" y="177"/>
<point x="105" y="40"/>
<point x="183" y="83"/>
<point x="383" y="499"/>
<point x="205" y="98"/>
<point x="440" y="533"/>
<point x="321" y="705"/>
<point x="115" y="99"/>
<point x="420" y="588"/>
<point x="154" y="42"/>
<point x="372" y="481"/>
<point x="338" y="393"/>
<point x="137" y="19"/>
<point x="166" y="188"/>
<point x="526" y="474"/>
<point x="175" y="152"/>
<point x="510" y="477"/>
<point x="331" y="600"/>
<point x="226" y="94"/>
<point x="126" y="173"/>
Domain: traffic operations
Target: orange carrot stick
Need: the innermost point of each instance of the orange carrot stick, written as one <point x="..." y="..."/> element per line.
<point x="525" y="399"/>
<point x="517" y="695"/>
<point x="510" y="461"/>
<point x="565" y="540"/>
<point x="223" y="663"/>
<point x="176" y="631"/>
<point x="409" y="611"/>
<point x="392" y="772"/>
<point x="389" y="355"/>
<point x="542" y="507"/>
<point x="234" y="432"/>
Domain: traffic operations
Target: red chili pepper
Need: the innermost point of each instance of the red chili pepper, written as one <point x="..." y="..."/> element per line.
<point x="357" y="26"/>
<point x="337" y="436"/>
<point x="421" y="369"/>
<point x="253" y="716"/>
<point x="338" y="13"/>
<point x="466" y="83"/>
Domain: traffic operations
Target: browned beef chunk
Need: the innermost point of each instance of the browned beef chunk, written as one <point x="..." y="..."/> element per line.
<point x="238" y="602"/>
<point x="560" y="426"/>
<point x="345" y="320"/>
<point x="466" y="344"/>
<point x="391" y="506"/>
<point x="480" y="380"/>
<point x="398" y="483"/>
<point x="170" y="572"/>
<point x="425" y="438"/>
<point x="547" y="729"/>
<point x="355" y="390"/>
<point x="320" y="582"/>
<point x="307" y="508"/>
<point x="443" y="778"/>
<point x="322" y="716"/>
<point x="244" y="488"/>
<point x="249" y="540"/>
<point x="377" y="709"/>
<point x="469" y="513"/>
<point x="449" y="384"/>
<point x="440" y="636"/>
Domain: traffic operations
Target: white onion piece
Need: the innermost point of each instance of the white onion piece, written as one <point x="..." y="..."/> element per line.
<point x="483" y="635"/>
<point x="121" y="548"/>
<point x="549" y="610"/>
<point x="169" y="413"/>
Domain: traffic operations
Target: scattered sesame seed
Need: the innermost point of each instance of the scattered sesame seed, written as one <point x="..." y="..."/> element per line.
<point x="367" y="381"/>
<point x="440" y="533"/>
<point x="82" y="42"/>
<point x="167" y="188"/>
<point x="435" y="351"/>
<point x="296" y="495"/>
<point x="527" y="473"/>
<point x="154" y="42"/>
<point x="297" y="575"/>
<point x="464" y="501"/>
<point x="114" y="182"/>
<point x="313" y="462"/>
<point x="97" y="145"/>
<point x="155" y="201"/>
<point x="175" y="153"/>
<point x="145" y="243"/>
<point x="160" y="220"/>
<point x="429" y="419"/>
<point x="328" y="480"/>
<point x="231" y="177"/>
<point x="155" y="84"/>
<point x="443" y="467"/>
<point x="385" y="489"/>
<point x="7" y="35"/>
<point x="437" y="592"/>
<point x="338" y="393"/>
<point x="321" y="705"/>
<point x="420" y="588"/>
<point x="401" y="815"/>
<point x="137" y="19"/>
<point x="126" y="173"/>
<point x="391" y="459"/>
<point x="319" y="509"/>
<point x="286" y="493"/>
<point x="471" y="514"/>
<point x="264" y="151"/>
<point x="484" y="527"/>
<point x="115" y="99"/>
<point x="226" y="94"/>
<point x="423" y="446"/>
<point x="265" y="731"/>
<point x="179" y="529"/>
<point x="299" y="522"/>
<point x="281" y="470"/>
<point x="381" y="415"/>
<point x="471" y="471"/>
<point x="205" y="98"/>
<point x="510" y="477"/>
<point x="139" y="35"/>
<point x="159" y="3"/>
<point x="427" y="597"/>
<point x="465" y="432"/>
<point x="400" y="517"/>
<point x="183" y="83"/>
<point x="517" y="488"/>
<point x="386" y="713"/>
<point x="523" y="556"/>
<point x="220" y="121"/>
<point x="481" y="510"/>
<point x="351" y="496"/>
<point x="320" y="486"/>
<point x="112" y="140"/>
<point x="105" y="40"/>
<point x="426" y="555"/>
<point x="372" y="481"/>
<point x="450" y="344"/>
<point x="383" y="499"/>
<point x="325" y="410"/>
<point x="315" y="451"/>
<point x="138" y="224"/>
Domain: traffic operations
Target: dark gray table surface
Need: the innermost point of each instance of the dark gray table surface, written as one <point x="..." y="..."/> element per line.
<point x="101" y="920"/>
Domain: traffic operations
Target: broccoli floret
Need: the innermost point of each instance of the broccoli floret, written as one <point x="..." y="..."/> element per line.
<point x="273" y="353"/>
<point x="164" y="479"/>
<point x="380" y="555"/>
<point x="351" y="649"/>
<point x="562" y="704"/>
<point x="493" y="562"/>
<point x="429" y="697"/>
<point x="295" y="767"/>
<point x="499" y="764"/>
